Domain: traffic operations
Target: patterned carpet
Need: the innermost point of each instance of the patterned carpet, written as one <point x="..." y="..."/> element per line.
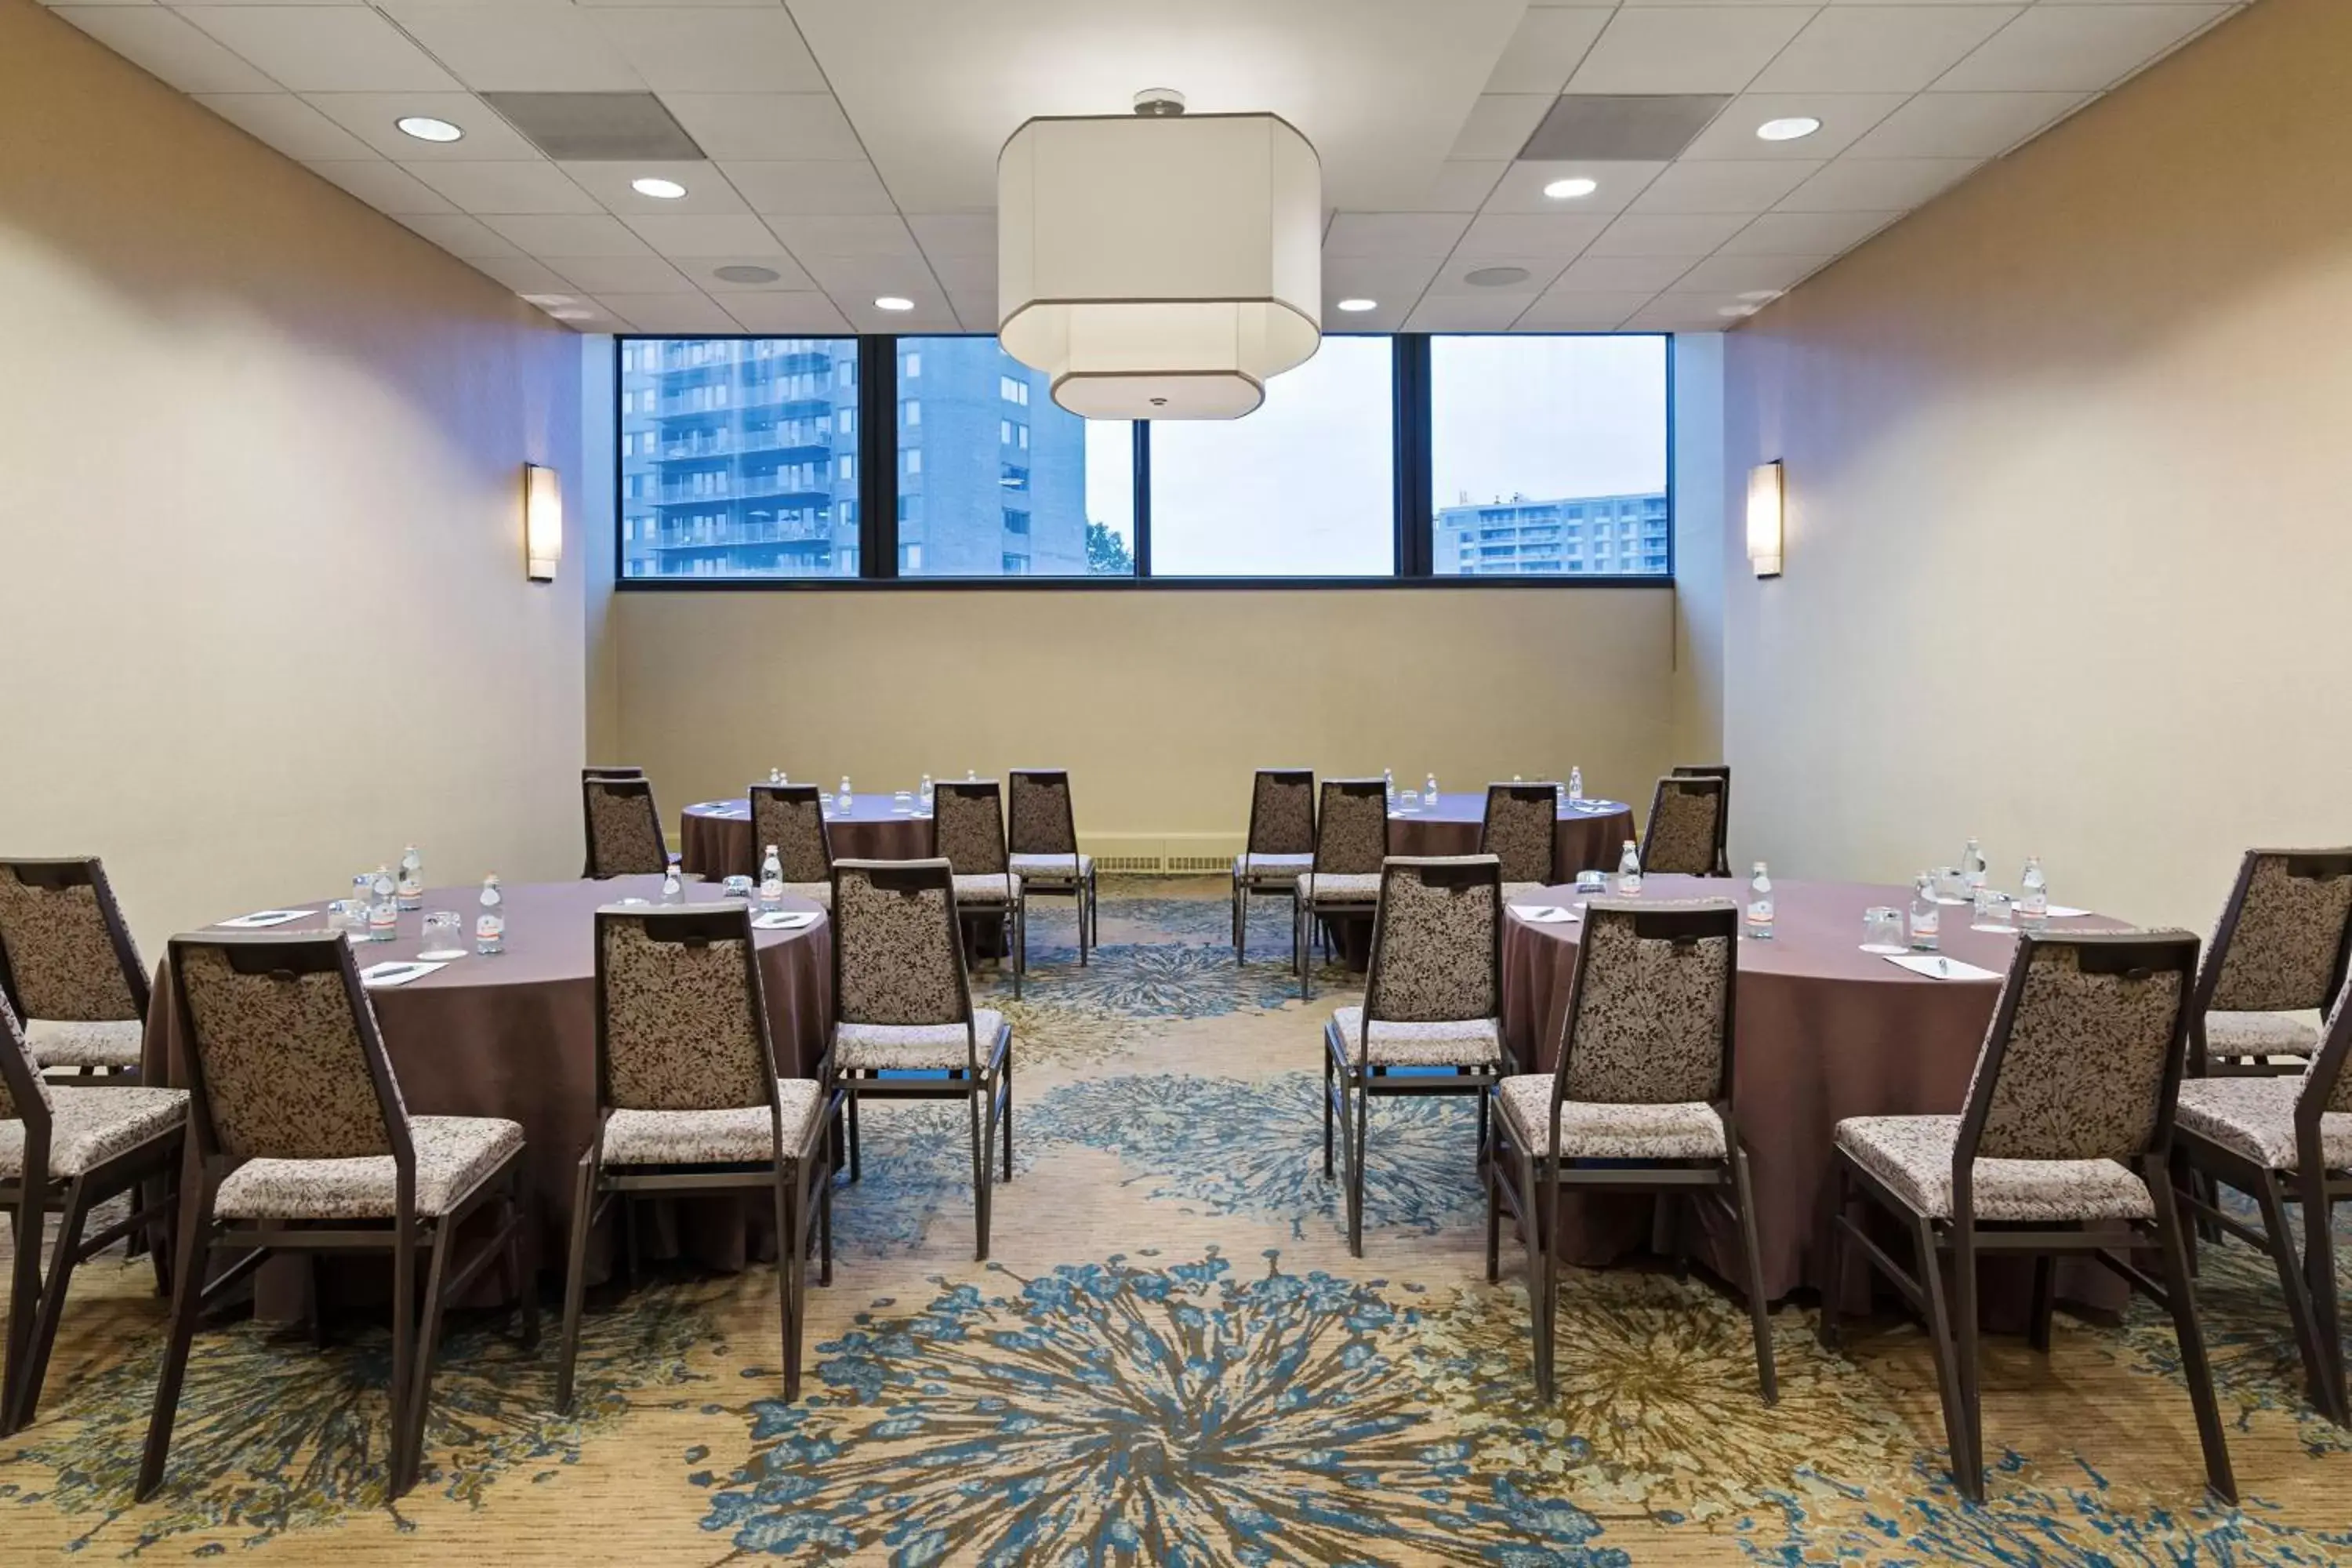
<point x="1172" y="1360"/>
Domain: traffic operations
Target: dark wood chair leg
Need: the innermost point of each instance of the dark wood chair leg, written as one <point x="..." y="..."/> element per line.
<point x="1831" y="1329"/>
<point x="1490" y="1176"/>
<point x="824" y="1229"/>
<point x="2181" y="1298"/>
<point x="790" y="1244"/>
<point x="2045" y="1302"/>
<point x="1547" y="1212"/>
<point x="1759" y="1310"/>
<point x="520" y="1284"/>
<point x="1355" y="1152"/>
<point x="408" y="1455"/>
<point x="575" y="1277"/>
<point x="2294" y="1284"/>
<point x="849" y="1115"/>
<point x="70" y="1223"/>
<point x="2319" y="1270"/>
<point x="187" y="1299"/>
<point x="979" y="1178"/>
<point x="1958" y="1432"/>
<point x="1968" y="1341"/>
<point x="24" y="1298"/>
<point x="1008" y="1113"/>
<point x="1328" y="1115"/>
<point x="1539" y="1308"/>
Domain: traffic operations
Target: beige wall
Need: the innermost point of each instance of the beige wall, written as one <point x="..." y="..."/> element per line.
<point x="261" y="538"/>
<point x="1697" y="731"/>
<point x="2069" y="555"/>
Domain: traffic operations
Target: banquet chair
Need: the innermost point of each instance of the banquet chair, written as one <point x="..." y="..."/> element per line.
<point x="968" y="826"/>
<point x="625" y="830"/>
<point x="1723" y="818"/>
<point x="1685" y="833"/>
<point x="1280" y="848"/>
<point x="1351" y="840"/>
<point x="1432" y="1019"/>
<point x="2279" y="949"/>
<point x="2282" y="1141"/>
<point x="302" y="1143"/>
<point x="67" y="963"/>
<point x="907" y="1027"/>
<point x="611" y="771"/>
<point x="65" y="1150"/>
<point x="1638" y="1099"/>
<point x="2061" y="1148"/>
<point x="689" y="1099"/>
<point x="1520" y="830"/>
<point x="791" y="816"/>
<point x="1044" y="839"/>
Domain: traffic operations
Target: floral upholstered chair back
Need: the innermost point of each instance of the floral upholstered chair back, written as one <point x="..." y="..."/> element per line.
<point x="1649" y="1016"/>
<point x="680" y="1021"/>
<point x="791" y="818"/>
<point x="1686" y="826"/>
<point x="2086" y="1050"/>
<point x="1437" y="941"/>
<point x="1044" y="822"/>
<point x="284" y="1058"/>
<point x="625" y="831"/>
<point x="897" y="956"/>
<point x="968" y="820"/>
<point x="1282" y="812"/>
<point x="2281" y="944"/>
<point x="65" y="952"/>
<point x="1351" y="835"/>
<point x="1521" y="819"/>
<point x="24" y="1099"/>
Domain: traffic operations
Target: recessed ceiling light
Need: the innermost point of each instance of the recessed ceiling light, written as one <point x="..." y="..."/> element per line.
<point x="1569" y="190"/>
<point x="574" y="315"/>
<point x="1359" y="304"/>
<point x="1495" y="277"/>
<point x="654" y="185"/>
<point x="544" y="300"/>
<point x="424" y="128"/>
<point x="1788" y="130"/>
<point x="1736" y="311"/>
<point x="741" y="272"/>
<point x="893" y="302"/>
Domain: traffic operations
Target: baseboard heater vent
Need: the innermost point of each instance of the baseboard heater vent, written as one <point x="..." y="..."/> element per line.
<point x="1162" y="854"/>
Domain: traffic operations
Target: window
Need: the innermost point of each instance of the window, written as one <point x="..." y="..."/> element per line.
<point x="914" y="412"/>
<point x="738" y="457"/>
<point x="1303" y="488"/>
<point x="986" y="507"/>
<point x="1539" y="445"/>
<point x="910" y="367"/>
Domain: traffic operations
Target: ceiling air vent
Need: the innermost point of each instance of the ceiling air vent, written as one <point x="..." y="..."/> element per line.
<point x="596" y="127"/>
<point x="1593" y="127"/>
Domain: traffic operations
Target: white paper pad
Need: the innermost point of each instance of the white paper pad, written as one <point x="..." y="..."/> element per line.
<point x="1543" y="914"/>
<point x="785" y="919"/>
<point x="2066" y="913"/>
<point x="1994" y="930"/>
<point x="261" y="917"/>
<point x="1936" y="968"/>
<point x="397" y="971"/>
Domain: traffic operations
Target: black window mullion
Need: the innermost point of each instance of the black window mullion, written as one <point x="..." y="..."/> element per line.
<point x="1414" y="547"/>
<point x="1142" y="498"/>
<point x="877" y="457"/>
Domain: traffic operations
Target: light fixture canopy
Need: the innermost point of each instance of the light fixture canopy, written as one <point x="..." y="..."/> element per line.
<point x="656" y="186"/>
<point x="1353" y="306"/>
<point x="542" y="522"/>
<point x="426" y="128"/>
<point x="1766" y="503"/>
<point x="1792" y="128"/>
<point x="1570" y="189"/>
<point x="1160" y="265"/>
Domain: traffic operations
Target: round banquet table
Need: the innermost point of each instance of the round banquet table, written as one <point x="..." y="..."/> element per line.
<point x="1823" y="1031"/>
<point x="1591" y="832"/>
<point x="715" y="836"/>
<point x="513" y="1035"/>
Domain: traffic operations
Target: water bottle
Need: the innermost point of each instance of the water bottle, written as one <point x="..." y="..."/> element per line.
<point x="490" y="925"/>
<point x="411" y="890"/>
<point x="1927" y="915"/>
<point x="1576" y="786"/>
<point x="928" y="788"/>
<point x="1629" y="871"/>
<point x="775" y="775"/>
<point x="971" y="775"/>
<point x="673" y="883"/>
<point x="384" y="906"/>
<point x="772" y="880"/>
<point x="363" y="901"/>
<point x="1387" y="784"/>
<point x="1972" y="868"/>
<point x="844" y="791"/>
<point x="1429" y="792"/>
<point x="1759" y="905"/>
<point x="2032" y="896"/>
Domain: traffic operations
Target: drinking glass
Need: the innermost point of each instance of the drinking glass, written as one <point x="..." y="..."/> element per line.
<point x="738" y="887"/>
<point x="1993" y="910"/>
<point x="1951" y="887"/>
<point x="902" y="804"/>
<point x="1409" y="800"/>
<point x="1593" y="880"/>
<point x="1882" y="930"/>
<point x="443" y="938"/>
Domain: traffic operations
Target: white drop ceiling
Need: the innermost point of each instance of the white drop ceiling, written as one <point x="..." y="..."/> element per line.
<point x="851" y="144"/>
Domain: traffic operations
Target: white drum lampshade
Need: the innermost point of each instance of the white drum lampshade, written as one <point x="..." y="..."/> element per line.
<point x="1158" y="266"/>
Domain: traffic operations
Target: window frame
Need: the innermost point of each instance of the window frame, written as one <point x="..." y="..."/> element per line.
<point x="1412" y="509"/>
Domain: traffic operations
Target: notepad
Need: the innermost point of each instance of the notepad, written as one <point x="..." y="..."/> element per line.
<point x="398" y="972"/>
<point x="1935" y="968"/>
<point x="261" y="917"/>
<point x="785" y="919"/>
<point x="1543" y="914"/>
<point x="2066" y="913"/>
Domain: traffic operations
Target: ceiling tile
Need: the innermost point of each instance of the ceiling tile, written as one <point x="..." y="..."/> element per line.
<point x="766" y="124"/>
<point x="1520" y="190"/>
<point x="1880" y="49"/>
<point x="1394" y="281"/>
<point x="965" y="274"/>
<point x="1740" y="274"/>
<point x="1499" y="124"/>
<point x="1844" y="116"/>
<point x="1876" y="184"/>
<point x="467" y="239"/>
<point x="1393" y="234"/>
<point x="809" y="188"/>
<point x="383" y="185"/>
<point x="706" y="189"/>
<point x="1621" y="274"/>
<point x="1466" y="314"/>
<point x="977" y="312"/>
<point x="1684" y="313"/>
<point x="1697" y="48"/>
<point x="1723" y="186"/>
<point x="286" y="122"/>
<point x="711" y="48"/>
<point x="724" y="235"/>
<point x="1453" y="277"/>
<point x="2057" y="48"/>
<point x="792" y="314"/>
<point x="689" y="312"/>
<point x="323" y="48"/>
<point x="506" y="187"/>
<point x="517" y="49"/>
<point x="569" y="234"/>
<point x="372" y="117"/>
<point x="789" y="276"/>
<point x="1556" y="234"/>
<point x="159" y="43"/>
<point x="955" y="233"/>
<point x="932" y="313"/>
<point x="1580" y="312"/>
<point x="1550" y="44"/>
<point x="609" y="275"/>
<point x="854" y="281"/>
<point x="1650" y="234"/>
<point x="856" y="234"/>
<point x="1965" y="125"/>
<point x="1806" y="234"/>
<point x="523" y="276"/>
<point x="1460" y="185"/>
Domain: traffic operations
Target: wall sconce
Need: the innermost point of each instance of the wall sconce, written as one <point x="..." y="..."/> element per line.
<point x="1764" y="516"/>
<point x="542" y="522"/>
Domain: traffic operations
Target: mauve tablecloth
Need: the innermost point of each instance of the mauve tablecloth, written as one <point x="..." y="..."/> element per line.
<point x="514" y="1035"/>
<point x="1824" y="1031"/>
<point x="1591" y="834"/>
<point x="715" y="836"/>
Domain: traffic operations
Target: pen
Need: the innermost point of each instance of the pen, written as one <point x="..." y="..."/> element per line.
<point x="1943" y="967"/>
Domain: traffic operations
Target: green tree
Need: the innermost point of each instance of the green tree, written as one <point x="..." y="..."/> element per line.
<point x="1107" y="552"/>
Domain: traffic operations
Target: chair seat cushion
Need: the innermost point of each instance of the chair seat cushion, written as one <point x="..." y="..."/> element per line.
<point x="1591" y="1131"/>
<point x="1337" y="886"/>
<point x="738" y="1135"/>
<point x="88" y="1127"/>
<point x="1913" y="1156"/>
<point x="2255" y="1118"/>
<point x="991" y="888"/>
<point x="2258" y="1035"/>
<point x="1283" y="869"/>
<point x="455" y="1154"/>
<point x="814" y="893"/>
<point x="1473" y="1042"/>
<point x="59" y="1044"/>
<point x="1053" y="867"/>
<point x="915" y="1046"/>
